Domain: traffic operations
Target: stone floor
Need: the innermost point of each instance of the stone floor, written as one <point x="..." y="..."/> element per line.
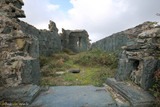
<point x="75" y="96"/>
<point x="115" y="94"/>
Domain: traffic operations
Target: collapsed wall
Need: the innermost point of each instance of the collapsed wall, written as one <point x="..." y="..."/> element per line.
<point x="137" y="66"/>
<point x="75" y="40"/>
<point x="114" y="42"/>
<point x="21" y="45"/>
<point x="139" y="53"/>
<point x="19" y="53"/>
<point x="49" y="40"/>
<point x="140" y="61"/>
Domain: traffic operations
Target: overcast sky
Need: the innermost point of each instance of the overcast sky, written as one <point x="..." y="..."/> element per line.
<point x="100" y="18"/>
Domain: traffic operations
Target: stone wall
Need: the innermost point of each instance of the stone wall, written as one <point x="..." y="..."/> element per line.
<point x="114" y="42"/>
<point x="49" y="40"/>
<point x="139" y="50"/>
<point x="75" y="40"/>
<point x="140" y="61"/>
<point x="18" y="51"/>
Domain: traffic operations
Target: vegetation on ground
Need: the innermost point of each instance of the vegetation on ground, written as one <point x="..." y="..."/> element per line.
<point x="95" y="67"/>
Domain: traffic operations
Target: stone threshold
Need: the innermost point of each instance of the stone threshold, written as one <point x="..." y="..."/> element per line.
<point x="136" y="96"/>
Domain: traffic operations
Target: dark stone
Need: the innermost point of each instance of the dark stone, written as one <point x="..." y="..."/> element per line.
<point x="125" y="67"/>
<point x="134" y="94"/>
<point x="7" y="30"/>
<point x="112" y="43"/>
<point x="31" y="72"/>
<point x="20" y="94"/>
<point x="150" y="66"/>
<point x="74" y="70"/>
<point x="49" y="42"/>
<point x="158" y="64"/>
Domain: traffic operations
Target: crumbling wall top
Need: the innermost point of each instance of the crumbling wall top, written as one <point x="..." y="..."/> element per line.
<point x="12" y="8"/>
<point x="140" y="60"/>
<point x="52" y="26"/>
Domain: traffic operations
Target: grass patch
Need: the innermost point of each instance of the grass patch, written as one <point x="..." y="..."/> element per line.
<point x="98" y="58"/>
<point x="95" y="67"/>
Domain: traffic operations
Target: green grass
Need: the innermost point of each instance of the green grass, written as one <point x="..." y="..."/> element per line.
<point x="95" y="67"/>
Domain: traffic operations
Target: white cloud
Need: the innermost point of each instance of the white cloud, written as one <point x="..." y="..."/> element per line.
<point x="96" y="16"/>
<point x="51" y="7"/>
<point x="99" y="17"/>
<point x="39" y="12"/>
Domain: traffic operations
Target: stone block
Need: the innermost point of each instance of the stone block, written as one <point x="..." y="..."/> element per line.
<point x="20" y="94"/>
<point x="150" y="66"/>
<point x="131" y="92"/>
<point x="125" y="67"/>
<point x="34" y="47"/>
<point x="30" y="72"/>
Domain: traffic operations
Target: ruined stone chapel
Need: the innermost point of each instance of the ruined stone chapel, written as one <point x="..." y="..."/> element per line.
<point x="21" y="44"/>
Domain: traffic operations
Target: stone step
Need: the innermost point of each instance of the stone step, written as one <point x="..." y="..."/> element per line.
<point x="120" y="101"/>
<point x="21" y="94"/>
<point x="136" y="96"/>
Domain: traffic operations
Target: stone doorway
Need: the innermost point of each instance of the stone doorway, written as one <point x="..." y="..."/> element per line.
<point x="136" y="72"/>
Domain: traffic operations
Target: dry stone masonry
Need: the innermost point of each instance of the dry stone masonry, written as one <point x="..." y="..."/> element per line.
<point x="139" y="50"/>
<point x="49" y="40"/>
<point x="75" y="40"/>
<point x="138" y="63"/>
<point x="21" y="45"/>
<point x="140" y="60"/>
<point x="18" y="52"/>
<point x="114" y="42"/>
